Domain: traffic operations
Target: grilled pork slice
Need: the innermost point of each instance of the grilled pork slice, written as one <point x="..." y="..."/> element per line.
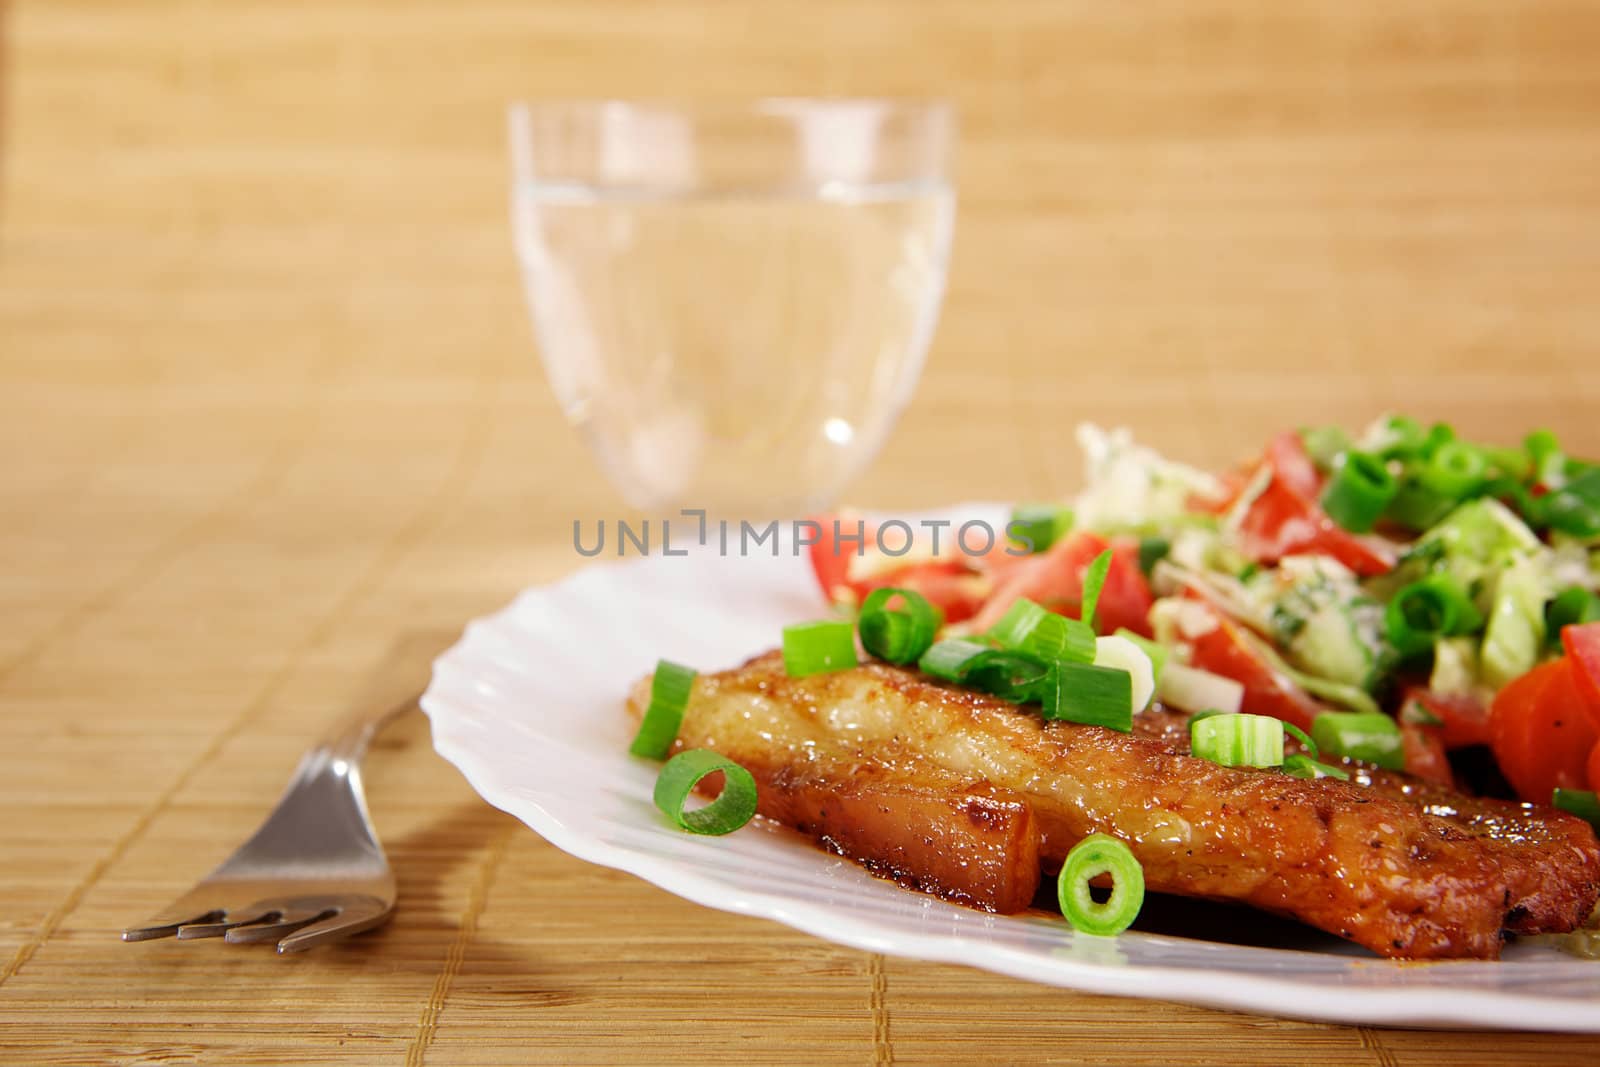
<point x="935" y="831"/>
<point x="1547" y="857"/>
<point x="884" y="765"/>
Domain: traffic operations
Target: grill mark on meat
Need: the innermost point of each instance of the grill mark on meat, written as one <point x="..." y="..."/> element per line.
<point x="1404" y="872"/>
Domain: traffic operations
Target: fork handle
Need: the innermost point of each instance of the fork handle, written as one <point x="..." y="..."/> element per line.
<point x="394" y="689"/>
<point x="350" y="737"/>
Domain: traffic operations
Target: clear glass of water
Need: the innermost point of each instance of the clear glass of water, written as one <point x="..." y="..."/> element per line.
<point x="733" y="300"/>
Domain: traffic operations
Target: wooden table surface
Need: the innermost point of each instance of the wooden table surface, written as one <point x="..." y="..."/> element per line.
<point x="273" y="427"/>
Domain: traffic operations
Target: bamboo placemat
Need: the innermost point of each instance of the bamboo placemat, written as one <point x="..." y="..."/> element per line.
<point x="271" y="424"/>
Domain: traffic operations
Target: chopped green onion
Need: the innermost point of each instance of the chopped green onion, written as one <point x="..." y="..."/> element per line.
<point x="1359" y="491"/>
<point x="816" y="647"/>
<point x="1454" y="470"/>
<point x="1237" y="740"/>
<point x="947" y="660"/>
<point x="1206" y="713"/>
<point x="1324" y="444"/>
<point x="1574" y="509"/>
<point x="1304" y="738"/>
<point x="1121" y="654"/>
<point x="669" y="697"/>
<point x="733" y="807"/>
<point x="1416" y="507"/>
<point x="1403" y="437"/>
<point x="1512" y="463"/>
<point x="1028" y="627"/>
<point x="1305" y="767"/>
<point x="1094" y="580"/>
<point x="1584" y="480"/>
<point x="1372" y="738"/>
<point x="1041" y="524"/>
<point x="1155" y="650"/>
<point x="1438" y="435"/>
<point x="1573" y="607"/>
<point x="1152" y="550"/>
<point x="1096" y="855"/>
<point x="897" y="636"/>
<point x="1010" y="675"/>
<point x="1425" y="611"/>
<point x="1549" y="462"/>
<point x="1570" y="513"/>
<point x="1082" y="692"/>
<point x="1581" y="802"/>
<point x="1191" y="689"/>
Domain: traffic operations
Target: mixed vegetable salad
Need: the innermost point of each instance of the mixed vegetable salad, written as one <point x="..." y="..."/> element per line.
<point x="1406" y="596"/>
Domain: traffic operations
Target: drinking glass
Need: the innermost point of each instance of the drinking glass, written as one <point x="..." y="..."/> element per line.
<point x="733" y="300"/>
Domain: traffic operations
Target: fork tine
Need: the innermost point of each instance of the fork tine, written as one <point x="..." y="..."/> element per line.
<point x="352" y="919"/>
<point x="288" y="921"/>
<point x="221" y="923"/>
<point x="164" y="925"/>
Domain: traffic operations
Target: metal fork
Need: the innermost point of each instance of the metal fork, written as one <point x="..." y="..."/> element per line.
<point x="313" y="873"/>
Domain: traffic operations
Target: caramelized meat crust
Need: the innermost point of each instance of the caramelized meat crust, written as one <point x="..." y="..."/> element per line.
<point x="964" y="795"/>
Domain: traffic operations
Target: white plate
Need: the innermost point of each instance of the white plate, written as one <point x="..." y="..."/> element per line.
<point x="529" y="707"/>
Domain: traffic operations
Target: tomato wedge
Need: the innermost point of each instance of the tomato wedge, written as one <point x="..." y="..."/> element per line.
<point x="1292" y="465"/>
<point x="1463" y="720"/>
<point x="949" y="583"/>
<point x="1054" y="579"/>
<point x="1285" y="519"/>
<point x="1540" y="736"/>
<point x="1225" y="650"/>
<point x="1594" y="767"/>
<point x="1423" y="749"/>
<point x="1583" y="649"/>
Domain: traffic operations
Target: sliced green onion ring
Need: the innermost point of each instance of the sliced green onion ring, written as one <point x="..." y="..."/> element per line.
<point x="1009" y="675"/>
<point x="1570" y="513"/>
<point x="1237" y="740"/>
<point x="947" y="660"/>
<point x="1003" y="672"/>
<point x="734" y="806"/>
<point x="1121" y="654"/>
<point x="1303" y="766"/>
<point x="1096" y="855"/>
<point x="901" y="635"/>
<point x="669" y="698"/>
<point x="1304" y="738"/>
<point x="1425" y="611"/>
<point x="1549" y="462"/>
<point x="1403" y="437"/>
<point x="1372" y="738"/>
<point x="1417" y="507"/>
<point x="1157" y="652"/>
<point x="1581" y="802"/>
<point x="1084" y="693"/>
<point x="1324" y="444"/>
<point x="1454" y="470"/>
<point x="816" y="647"/>
<point x="1094" y="580"/>
<point x="1359" y="491"/>
<point x="1029" y="627"/>
<point x="1191" y="689"/>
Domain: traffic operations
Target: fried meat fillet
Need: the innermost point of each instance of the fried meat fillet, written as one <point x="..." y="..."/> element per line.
<point x="966" y="796"/>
